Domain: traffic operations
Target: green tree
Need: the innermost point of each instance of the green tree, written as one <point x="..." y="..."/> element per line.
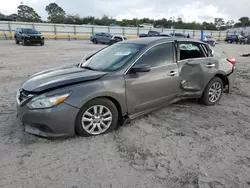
<point x="73" y="19"/>
<point x="1" y="15"/>
<point x="27" y="14"/>
<point x="56" y="13"/>
<point x="244" y="21"/>
<point x="218" y="22"/>
<point x="208" y="26"/>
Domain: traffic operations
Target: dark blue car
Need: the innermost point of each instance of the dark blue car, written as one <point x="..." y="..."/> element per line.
<point x="232" y="38"/>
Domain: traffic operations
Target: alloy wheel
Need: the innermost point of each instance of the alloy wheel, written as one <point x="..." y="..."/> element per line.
<point x="215" y="92"/>
<point x="97" y="119"/>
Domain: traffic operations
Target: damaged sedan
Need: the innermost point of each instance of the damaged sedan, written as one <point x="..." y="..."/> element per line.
<point x="121" y="82"/>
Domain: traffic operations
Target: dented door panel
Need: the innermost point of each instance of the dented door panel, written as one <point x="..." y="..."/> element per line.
<point x="194" y="74"/>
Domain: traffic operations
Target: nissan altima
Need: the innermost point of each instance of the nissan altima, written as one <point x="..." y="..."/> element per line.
<point x="120" y="82"/>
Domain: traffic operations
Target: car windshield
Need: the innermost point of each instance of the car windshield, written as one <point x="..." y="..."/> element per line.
<point x="113" y="57"/>
<point x="30" y="31"/>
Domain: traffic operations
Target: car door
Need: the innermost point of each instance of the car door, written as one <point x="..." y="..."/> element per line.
<point x="18" y="33"/>
<point x="196" y="66"/>
<point x="99" y="37"/>
<point x="147" y="90"/>
<point x="106" y="38"/>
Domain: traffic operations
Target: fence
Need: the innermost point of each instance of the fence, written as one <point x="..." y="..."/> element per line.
<point x="65" y="31"/>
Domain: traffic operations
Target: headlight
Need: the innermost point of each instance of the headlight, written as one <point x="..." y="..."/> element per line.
<point x="27" y="36"/>
<point x="47" y="102"/>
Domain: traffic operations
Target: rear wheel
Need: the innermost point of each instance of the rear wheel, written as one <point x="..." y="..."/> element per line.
<point x="96" y="117"/>
<point x="212" y="92"/>
<point x="94" y="41"/>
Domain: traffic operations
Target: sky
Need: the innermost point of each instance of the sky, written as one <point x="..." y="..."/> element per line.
<point x="191" y="10"/>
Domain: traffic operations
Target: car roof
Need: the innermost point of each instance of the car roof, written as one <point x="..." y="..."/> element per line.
<point x="155" y="40"/>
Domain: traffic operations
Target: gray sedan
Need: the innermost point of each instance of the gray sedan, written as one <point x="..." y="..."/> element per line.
<point x="120" y="82"/>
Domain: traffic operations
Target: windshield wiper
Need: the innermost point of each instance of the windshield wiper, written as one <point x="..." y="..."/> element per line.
<point x="89" y="68"/>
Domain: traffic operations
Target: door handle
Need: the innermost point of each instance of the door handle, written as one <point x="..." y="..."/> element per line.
<point x="172" y="73"/>
<point x="210" y="65"/>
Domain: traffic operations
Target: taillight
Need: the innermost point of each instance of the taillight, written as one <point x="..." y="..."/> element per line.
<point x="232" y="61"/>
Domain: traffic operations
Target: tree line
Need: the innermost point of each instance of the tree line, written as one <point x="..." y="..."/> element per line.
<point x="56" y="14"/>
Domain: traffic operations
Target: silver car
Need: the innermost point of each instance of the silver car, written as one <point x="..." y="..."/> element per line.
<point x="121" y="82"/>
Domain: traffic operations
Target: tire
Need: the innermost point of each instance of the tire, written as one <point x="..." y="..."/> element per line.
<point x="23" y="42"/>
<point x="17" y="42"/>
<point x="108" y="106"/>
<point x="95" y="41"/>
<point x="111" y="42"/>
<point x="42" y="44"/>
<point x="206" y="97"/>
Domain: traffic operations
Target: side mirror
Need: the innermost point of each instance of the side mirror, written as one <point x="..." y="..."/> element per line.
<point x="141" y="68"/>
<point x="212" y="52"/>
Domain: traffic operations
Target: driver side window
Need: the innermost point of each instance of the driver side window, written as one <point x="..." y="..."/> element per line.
<point x="158" y="56"/>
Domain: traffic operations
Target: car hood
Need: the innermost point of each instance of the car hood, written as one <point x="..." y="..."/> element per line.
<point x="59" y="77"/>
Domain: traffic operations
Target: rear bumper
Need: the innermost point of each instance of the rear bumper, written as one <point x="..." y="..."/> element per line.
<point x="231" y="80"/>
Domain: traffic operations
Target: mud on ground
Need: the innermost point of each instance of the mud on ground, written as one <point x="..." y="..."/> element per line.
<point x="185" y="145"/>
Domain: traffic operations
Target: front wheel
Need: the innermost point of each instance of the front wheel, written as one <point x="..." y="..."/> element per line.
<point x="96" y="117"/>
<point x="42" y="44"/>
<point x="212" y="92"/>
<point x="17" y="42"/>
<point x="23" y="42"/>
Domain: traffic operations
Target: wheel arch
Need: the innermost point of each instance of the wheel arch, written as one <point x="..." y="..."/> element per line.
<point x="118" y="103"/>
<point x="224" y="79"/>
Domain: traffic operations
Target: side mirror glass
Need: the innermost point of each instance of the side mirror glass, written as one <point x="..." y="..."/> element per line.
<point x="141" y="68"/>
<point x="212" y="52"/>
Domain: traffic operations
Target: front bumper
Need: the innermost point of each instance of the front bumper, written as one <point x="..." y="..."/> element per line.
<point x="57" y="121"/>
<point x="34" y="40"/>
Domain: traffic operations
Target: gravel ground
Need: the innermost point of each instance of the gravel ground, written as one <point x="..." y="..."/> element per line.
<point x="185" y="145"/>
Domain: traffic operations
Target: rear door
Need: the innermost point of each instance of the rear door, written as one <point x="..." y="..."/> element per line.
<point x="197" y="66"/>
<point x="147" y="90"/>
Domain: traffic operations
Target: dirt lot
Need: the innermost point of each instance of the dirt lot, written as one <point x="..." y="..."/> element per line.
<point x="185" y="145"/>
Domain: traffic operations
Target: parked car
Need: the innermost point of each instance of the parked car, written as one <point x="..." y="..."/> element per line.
<point x="103" y="38"/>
<point x="233" y="38"/>
<point x="210" y="40"/>
<point x="153" y="34"/>
<point x="106" y="38"/>
<point x="122" y="81"/>
<point x="117" y="38"/>
<point x="181" y="35"/>
<point x="28" y="36"/>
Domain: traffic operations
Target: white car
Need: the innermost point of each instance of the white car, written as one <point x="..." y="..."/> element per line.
<point x="117" y="38"/>
<point x="210" y="40"/>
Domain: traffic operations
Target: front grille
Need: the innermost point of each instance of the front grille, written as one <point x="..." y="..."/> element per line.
<point x="35" y="37"/>
<point x="23" y="96"/>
